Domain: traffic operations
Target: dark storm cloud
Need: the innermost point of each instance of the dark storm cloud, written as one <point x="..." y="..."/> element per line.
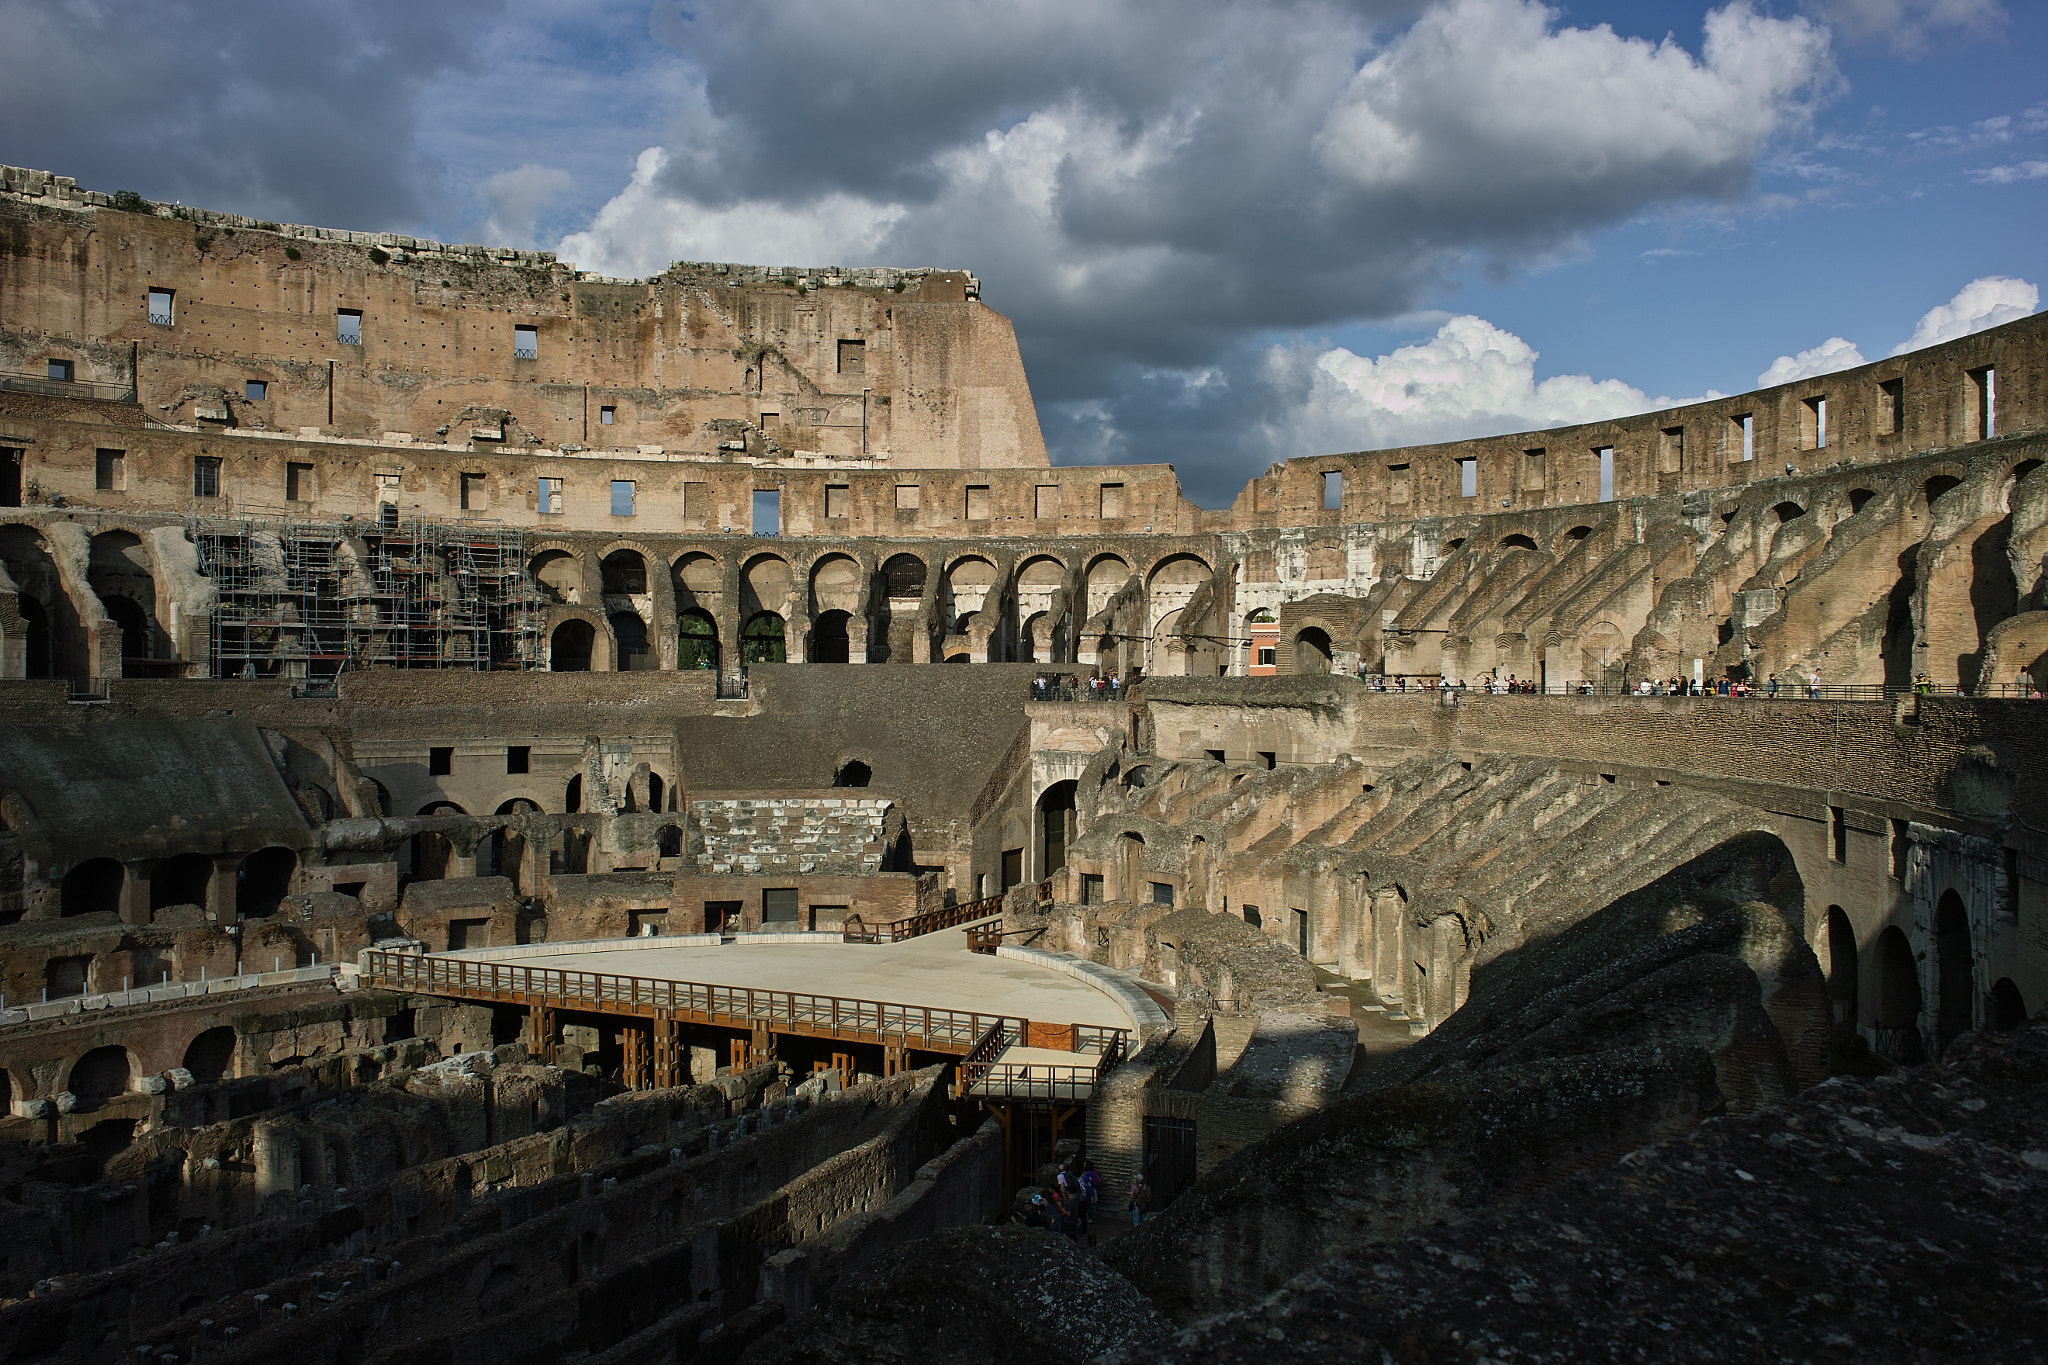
<point x="296" y="112"/>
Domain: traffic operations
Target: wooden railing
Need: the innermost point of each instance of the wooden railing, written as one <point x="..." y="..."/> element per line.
<point x="929" y="922"/>
<point x="921" y="1026"/>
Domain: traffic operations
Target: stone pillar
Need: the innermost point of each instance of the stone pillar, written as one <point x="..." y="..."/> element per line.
<point x="135" y="892"/>
<point x="220" y="890"/>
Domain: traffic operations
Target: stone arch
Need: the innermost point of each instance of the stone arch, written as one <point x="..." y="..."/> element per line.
<point x="1518" y="541"/>
<point x="835" y="584"/>
<point x="1788" y="511"/>
<point x="180" y="880"/>
<point x="263" y="879"/>
<point x="1936" y="485"/>
<point x="852" y="773"/>
<point x="2010" y="484"/>
<point x="1858" y="498"/>
<point x="831" y="640"/>
<point x="211" y="1055"/>
<point x="2008" y="1008"/>
<point x="571" y="646"/>
<point x="1578" y="533"/>
<point x="1056" y="825"/>
<point x="764" y="586"/>
<point x="1955" y="971"/>
<point x="100" y="1075"/>
<point x="968" y="590"/>
<point x="1313" y="652"/>
<point x="696" y="640"/>
<point x="92" y="887"/>
<point x="432" y="852"/>
<point x="903" y="576"/>
<point x="699" y="582"/>
<point x="1841" y="964"/>
<point x="762" y="640"/>
<point x="1898" y="997"/>
<point x="119" y="571"/>
<point x="1106" y="577"/>
<point x="1164" y="657"/>
<point x="558" y="573"/>
<point x="629" y="639"/>
<point x="53" y="636"/>
<point x="623" y="573"/>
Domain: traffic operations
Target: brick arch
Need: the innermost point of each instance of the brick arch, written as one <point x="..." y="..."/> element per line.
<point x="604" y="650"/>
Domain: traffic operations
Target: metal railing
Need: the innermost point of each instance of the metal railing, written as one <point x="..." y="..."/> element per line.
<point x="931" y="1029"/>
<point x="1035" y="1081"/>
<point x="930" y="921"/>
<point x="67" y="388"/>
<point x="1788" y="690"/>
<point x="1071" y="688"/>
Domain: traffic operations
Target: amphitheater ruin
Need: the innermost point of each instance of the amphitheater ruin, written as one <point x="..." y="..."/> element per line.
<point x="450" y="910"/>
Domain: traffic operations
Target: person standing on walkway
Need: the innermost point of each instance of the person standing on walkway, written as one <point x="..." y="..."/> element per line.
<point x="1813" y="685"/>
<point x="1141" y="1199"/>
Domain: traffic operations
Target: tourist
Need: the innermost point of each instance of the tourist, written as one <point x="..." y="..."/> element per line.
<point x="1771" y="688"/>
<point x="1091" y="1187"/>
<point x="1036" y="1215"/>
<point x="1813" y="685"/>
<point x="1141" y="1199"/>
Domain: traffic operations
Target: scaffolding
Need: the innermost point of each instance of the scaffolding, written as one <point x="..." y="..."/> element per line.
<point x="308" y="600"/>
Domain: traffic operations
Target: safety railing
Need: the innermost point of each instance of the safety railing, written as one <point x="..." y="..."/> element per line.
<point x="67" y="388"/>
<point x="895" y="931"/>
<point x="1034" y="1081"/>
<point x="935" y="1029"/>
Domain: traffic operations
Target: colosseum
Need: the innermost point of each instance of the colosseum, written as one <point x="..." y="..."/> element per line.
<point x="1570" y="895"/>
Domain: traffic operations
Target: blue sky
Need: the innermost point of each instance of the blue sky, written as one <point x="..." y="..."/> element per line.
<point x="1228" y="232"/>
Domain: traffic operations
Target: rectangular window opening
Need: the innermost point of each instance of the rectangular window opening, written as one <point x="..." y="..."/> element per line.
<point x="1468" y="478"/>
<point x="1900" y="847"/>
<point x="1215" y="755"/>
<point x="1606" y="457"/>
<point x="441" y="761"/>
<point x="1045" y="501"/>
<point x="1742" y="438"/>
<point x="1268" y="655"/>
<point x="10" y="477"/>
<point x="906" y="497"/>
<point x="1838" y="835"/>
<point x="110" y="470"/>
<point x="1671" y="450"/>
<point x="1813" y="423"/>
<point x="161" y="303"/>
<point x="1534" y="465"/>
<point x="1891" y="407"/>
<point x="255" y="390"/>
<point x="206" y="476"/>
<point x="837" y="498"/>
<point x="1162" y="893"/>
<point x="606" y="415"/>
<point x="853" y="357"/>
<point x="1333" y="490"/>
<point x="622" y="497"/>
<point x="298" y="482"/>
<point x="518" y="758"/>
<point x="348" y="326"/>
<point x="1984" y="389"/>
<point x="1013" y="867"/>
<point x="767" y="511"/>
<point x="474" y="496"/>
<point x="778" y="905"/>
<point x="977" y="502"/>
<point x="1112" y="504"/>
<point x="1091" y="888"/>
<point x="61" y="371"/>
<point x="1270" y="757"/>
<point x="550" y="497"/>
<point x="526" y="343"/>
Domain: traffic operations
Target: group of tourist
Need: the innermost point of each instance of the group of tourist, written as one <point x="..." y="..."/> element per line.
<point x="1098" y="687"/>
<point x="1068" y="1205"/>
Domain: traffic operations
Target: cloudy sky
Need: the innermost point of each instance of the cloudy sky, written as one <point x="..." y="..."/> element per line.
<point x="1228" y="232"/>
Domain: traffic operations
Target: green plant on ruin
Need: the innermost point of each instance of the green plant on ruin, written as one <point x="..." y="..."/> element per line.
<point x="379" y="256"/>
<point x="291" y="253"/>
<point x="128" y="201"/>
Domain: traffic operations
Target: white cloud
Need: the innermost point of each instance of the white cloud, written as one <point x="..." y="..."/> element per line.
<point x="1908" y="27"/>
<point x="2008" y="175"/>
<point x="643" y="228"/>
<point x="1470" y="379"/>
<point x="1987" y="302"/>
<point x="1831" y="355"/>
<point x="516" y="198"/>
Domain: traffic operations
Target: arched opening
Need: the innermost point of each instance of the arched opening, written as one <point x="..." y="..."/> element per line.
<point x="2008" y="1009"/>
<point x="138" y="636"/>
<point x="264" y="879"/>
<point x="1898" y="998"/>
<point x="1841" y="946"/>
<point x="1936" y="486"/>
<point x="508" y="846"/>
<point x="211" y="1056"/>
<point x="668" y="841"/>
<point x="1312" y="652"/>
<point x="1198" y="873"/>
<point x="903" y="576"/>
<point x="431" y="852"/>
<point x="1055" y="826"/>
<point x="35" y="637"/>
<point x="559" y="577"/>
<point x="1857" y="498"/>
<point x="1130" y="866"/>
<point x="852" y="773"/>
<point x="1788" y="511"/>
<point x="696" y="641"/>
<point x="624" y="574"/>
<point x="1955" y="971"/>
<point x="119" y="574"/>
<point x="100" y="1075"/>
<point x="572" y="795"/>
<point x="93" y="887"/>
<point x="1517" y="542"/>
<point x="1578" y="533"/>
<point x="761" y="641"/>
<point x="631" y="633"/>
<point x="657" y="791"/>
<point x="829" y="641"/>
<point x="569" y="647"/>
<point x="180" y="881"/>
